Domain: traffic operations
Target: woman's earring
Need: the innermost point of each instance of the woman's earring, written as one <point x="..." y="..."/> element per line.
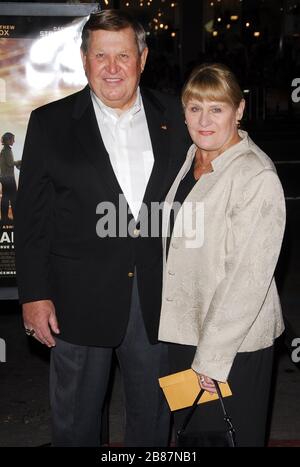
<point x="238" y="124"/>
<point x="185" y="122"/>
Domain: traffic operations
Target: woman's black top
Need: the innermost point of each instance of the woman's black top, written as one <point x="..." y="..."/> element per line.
<point x="183" y="190"/>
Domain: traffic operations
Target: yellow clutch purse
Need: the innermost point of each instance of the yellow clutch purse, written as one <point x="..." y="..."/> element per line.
<point x="182" y="388"/>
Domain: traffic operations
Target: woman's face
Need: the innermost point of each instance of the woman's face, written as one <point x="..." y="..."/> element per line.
<point x="212" y="124"/>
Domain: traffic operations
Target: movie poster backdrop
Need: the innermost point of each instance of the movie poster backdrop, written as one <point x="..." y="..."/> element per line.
<point x="39" y="63"/>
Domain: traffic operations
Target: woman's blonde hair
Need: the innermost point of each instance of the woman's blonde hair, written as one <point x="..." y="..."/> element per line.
<point x="213" y="82"/>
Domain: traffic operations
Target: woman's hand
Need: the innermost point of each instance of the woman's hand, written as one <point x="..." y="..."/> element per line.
<point x="206" y="383"/>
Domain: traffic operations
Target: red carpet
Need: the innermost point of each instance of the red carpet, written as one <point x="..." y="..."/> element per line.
<point x="273" y="443"/>
<point x="284" y="443"/>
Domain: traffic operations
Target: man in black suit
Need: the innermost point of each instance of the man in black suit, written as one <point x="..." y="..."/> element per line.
<point x="87" y="288"/>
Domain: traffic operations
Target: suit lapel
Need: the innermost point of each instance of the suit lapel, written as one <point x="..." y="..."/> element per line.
<point x="87" y="132"/>
<point x="159" y="135"/>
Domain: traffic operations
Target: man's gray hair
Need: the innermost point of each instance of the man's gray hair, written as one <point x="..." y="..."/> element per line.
<point x="113" y="20"/>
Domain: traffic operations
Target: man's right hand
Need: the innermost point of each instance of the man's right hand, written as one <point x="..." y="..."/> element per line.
<point x="41" y="317"/>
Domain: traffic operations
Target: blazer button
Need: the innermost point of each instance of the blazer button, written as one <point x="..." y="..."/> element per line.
<point x="169" y="299"/>
<point x="171" y="273"/>
<point x="131" y="274"/>
<point x="175" y="246"/>
<point x="136" y="232"/>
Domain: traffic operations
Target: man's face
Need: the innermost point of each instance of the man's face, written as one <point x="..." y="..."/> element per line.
<point x="113" y="67"/>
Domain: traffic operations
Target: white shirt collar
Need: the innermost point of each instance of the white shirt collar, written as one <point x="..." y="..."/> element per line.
<point x="109" y="112"/>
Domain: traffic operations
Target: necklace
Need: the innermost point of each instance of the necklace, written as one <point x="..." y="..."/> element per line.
<point x="199" y="166"/>
<point x="201" y="169"/>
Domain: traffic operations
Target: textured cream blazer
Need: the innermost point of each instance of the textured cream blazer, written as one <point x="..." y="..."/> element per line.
<point x="219" y="292"/>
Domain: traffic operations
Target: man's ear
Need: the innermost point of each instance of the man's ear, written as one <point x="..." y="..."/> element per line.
<point x="144" y="56"/>
<point x="83" y="58"/>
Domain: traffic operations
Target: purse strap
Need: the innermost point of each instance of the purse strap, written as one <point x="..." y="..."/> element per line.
<point x="227" y="419"/>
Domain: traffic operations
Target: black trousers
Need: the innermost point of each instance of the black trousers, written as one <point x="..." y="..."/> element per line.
<point x="249" y="380"/>
<point x="78" y="383"/>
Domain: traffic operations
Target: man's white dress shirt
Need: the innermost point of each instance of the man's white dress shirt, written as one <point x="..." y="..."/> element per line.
<point x="127" y="141"/>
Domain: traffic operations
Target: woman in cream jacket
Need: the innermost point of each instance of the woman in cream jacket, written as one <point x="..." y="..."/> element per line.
<point x="223" y="223"/>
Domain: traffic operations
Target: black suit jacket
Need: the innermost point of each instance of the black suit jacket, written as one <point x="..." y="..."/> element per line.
<point x="65" y="174"/>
